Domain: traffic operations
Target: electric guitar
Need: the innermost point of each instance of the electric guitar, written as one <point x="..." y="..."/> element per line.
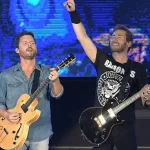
<point x="96" y="123"/>
<point x="13" y="135"/>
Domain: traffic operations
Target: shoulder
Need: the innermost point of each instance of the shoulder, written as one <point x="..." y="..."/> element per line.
<point x="137" y="65"/>
<point x="9" y="71"/>
<point x="101" y="53"/>
<point x="139" y="68"/>
<point x="7" y="74"/>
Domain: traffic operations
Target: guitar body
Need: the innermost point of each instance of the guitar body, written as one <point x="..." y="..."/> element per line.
<point x="13" y="135"/>
<point x="98" y="133"/>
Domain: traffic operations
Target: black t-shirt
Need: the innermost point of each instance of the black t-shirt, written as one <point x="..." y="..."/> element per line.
<point x="110" y="75"/>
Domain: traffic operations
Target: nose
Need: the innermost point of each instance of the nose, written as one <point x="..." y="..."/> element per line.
<point x="114" y="39"/>
<point x="29" y="45"/>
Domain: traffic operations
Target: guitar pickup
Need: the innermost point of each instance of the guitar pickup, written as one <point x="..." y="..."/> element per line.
<point x="98" y="122"/>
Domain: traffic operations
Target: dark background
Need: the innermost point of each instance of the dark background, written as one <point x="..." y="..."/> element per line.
<point x="79" y="94"/>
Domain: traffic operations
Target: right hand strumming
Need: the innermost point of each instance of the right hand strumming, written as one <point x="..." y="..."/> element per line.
<point x="13" y="117"/>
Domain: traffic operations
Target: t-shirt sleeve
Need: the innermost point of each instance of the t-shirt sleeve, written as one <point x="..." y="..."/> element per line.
<point x="100" y="58"/>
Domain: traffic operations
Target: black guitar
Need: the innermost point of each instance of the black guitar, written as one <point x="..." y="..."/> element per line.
<point x="96" y="123"/>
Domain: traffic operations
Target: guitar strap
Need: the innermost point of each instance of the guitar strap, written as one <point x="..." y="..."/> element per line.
<point x="124" y="81"/>
<point x="35" y="80"/>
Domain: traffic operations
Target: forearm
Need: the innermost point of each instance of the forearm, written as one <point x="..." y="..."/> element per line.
<point x="79" y="31"/>
<point x="56" y="87"/>
<point x="77" y="25"/>
<point x="85" y="41"/>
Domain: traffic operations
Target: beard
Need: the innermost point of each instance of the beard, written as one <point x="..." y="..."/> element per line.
<point x="119" y="48"/>
<point x="30" y="57"/>
<point x="29" y="54"/>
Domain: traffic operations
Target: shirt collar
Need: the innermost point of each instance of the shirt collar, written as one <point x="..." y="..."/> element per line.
<point x="18" y="67"/>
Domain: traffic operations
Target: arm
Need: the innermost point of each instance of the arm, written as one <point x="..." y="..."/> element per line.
<point x="57" y="88"/>
<point x="86" y="42"/>
<point x="10" y="116"/>
<point x="3" y="111"/>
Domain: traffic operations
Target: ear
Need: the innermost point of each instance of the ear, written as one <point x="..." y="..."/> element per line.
<point x="129" y="44"/>
<point x="17" y="50"/>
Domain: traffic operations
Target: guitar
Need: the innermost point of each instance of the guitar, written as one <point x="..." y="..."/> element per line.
<point x="13" y="135"/>
<point x="96" y="123"/>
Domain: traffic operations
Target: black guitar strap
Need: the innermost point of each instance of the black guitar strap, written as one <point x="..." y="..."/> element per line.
<point x="35" y="80"/>
<point x="124" y="81"/>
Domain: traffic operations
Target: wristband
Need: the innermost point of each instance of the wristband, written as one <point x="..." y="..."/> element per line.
<point x="75" y="18"/>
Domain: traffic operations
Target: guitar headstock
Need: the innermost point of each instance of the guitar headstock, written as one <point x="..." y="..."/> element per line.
<point x="66" y="62"/>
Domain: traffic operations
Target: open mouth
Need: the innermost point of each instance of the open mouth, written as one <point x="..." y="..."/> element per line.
<point x="115" y="44"/>
<point x="29" y="50"/>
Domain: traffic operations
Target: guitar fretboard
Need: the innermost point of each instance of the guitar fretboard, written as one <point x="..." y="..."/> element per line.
<point x="126" y="102"/>
<point x="36" y="93"/>
<point x="66" y="62"/>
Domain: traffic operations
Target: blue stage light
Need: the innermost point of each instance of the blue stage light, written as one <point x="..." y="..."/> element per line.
<point x="33" y="2"/>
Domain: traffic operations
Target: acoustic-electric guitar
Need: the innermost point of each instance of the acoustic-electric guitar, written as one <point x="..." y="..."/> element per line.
<point x="13" y="135"/>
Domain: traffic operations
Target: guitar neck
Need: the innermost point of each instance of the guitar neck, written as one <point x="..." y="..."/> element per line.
<point x="126" y="103"/>
<point x="36" y="93"/>
<point x="65" y="63"/>
<point x="40" y="88"/>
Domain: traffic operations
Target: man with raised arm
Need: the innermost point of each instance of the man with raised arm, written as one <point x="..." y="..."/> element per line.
<point x="111" y="73"/>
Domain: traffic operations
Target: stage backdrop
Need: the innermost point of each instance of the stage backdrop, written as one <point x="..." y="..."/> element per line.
<point x="50" y="22"/>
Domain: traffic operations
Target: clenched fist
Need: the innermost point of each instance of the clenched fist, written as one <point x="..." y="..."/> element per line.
<point x="70" y="5"/>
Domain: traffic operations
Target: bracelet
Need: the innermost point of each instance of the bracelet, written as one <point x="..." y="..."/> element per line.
<point x="75" y="18"/>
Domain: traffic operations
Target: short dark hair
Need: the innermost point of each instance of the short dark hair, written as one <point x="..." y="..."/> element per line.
<point x="22" y="34"/>
<point x="129" y="35"/>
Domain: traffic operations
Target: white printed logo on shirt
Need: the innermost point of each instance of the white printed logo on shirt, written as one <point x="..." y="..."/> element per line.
<point x="109" y="86"/>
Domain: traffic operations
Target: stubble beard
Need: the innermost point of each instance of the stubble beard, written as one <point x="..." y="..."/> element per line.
<point x="31" y="56"/>
<point x="119" y="49"/>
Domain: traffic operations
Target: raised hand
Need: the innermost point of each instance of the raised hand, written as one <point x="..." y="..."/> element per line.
<point x="70" y="5"/>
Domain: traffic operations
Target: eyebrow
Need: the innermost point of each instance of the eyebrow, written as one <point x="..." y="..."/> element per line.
<point x="118" y="34"/>
<point x="27" y="41"/>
